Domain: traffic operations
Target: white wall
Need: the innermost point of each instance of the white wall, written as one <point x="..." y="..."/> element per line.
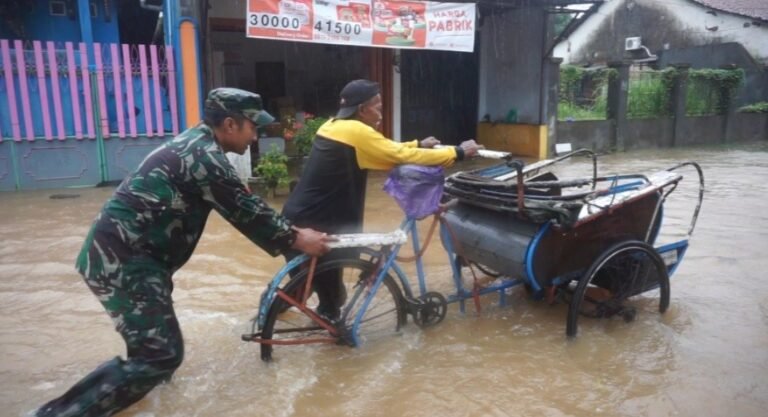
<point x="730" y="27"/>
<point x="581" y="36"/>
<point x="695" y="21"/>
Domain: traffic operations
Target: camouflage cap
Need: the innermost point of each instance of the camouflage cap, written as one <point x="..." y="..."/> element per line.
<point x="239" y="101"/>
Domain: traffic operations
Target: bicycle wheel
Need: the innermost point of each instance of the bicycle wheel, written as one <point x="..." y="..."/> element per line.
<point x="624" y="270"/>
<point x="385" y="314"/>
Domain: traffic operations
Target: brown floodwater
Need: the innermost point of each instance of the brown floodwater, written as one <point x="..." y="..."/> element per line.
<point x="707" y="356"/>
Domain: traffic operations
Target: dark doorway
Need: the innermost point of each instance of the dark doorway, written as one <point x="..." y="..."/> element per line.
<point x="138" y="25"/>
<point x="269" y="81"/>
<point x="439" y="95"/>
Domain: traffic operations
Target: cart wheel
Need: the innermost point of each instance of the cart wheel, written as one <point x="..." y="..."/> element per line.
<point x="624" y="270"/>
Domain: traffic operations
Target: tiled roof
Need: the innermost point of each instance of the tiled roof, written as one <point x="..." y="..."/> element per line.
<point x="757" y="9"/>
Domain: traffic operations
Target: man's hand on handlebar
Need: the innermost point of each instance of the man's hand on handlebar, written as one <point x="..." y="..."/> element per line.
<point x="429" y="142"/>
<point x="311" y="242"/>
<point x="470" y="148"/>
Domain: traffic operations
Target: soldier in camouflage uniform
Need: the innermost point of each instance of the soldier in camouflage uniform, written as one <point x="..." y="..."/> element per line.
<point x="149" y="228"/>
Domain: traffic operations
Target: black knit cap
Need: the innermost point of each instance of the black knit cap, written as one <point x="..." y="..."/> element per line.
<point x="354" y="94"/>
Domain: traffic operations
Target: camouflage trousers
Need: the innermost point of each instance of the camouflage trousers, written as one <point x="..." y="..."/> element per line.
<point x="155" y="348"/>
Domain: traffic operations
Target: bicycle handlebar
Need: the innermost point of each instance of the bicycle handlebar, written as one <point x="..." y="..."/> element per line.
<point x="485" y="153"/>
<point x="357" y="240"/>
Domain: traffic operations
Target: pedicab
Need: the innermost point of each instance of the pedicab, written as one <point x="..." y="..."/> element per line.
<point x="588" y="241"/>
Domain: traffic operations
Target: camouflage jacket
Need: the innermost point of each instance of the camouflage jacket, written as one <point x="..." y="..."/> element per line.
<point x="157" y="214"/>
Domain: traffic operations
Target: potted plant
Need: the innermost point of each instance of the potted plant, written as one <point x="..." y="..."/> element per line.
<point x="272" y="170"/>
<point x="306" y="134"/>
<point x="302" y="133"/>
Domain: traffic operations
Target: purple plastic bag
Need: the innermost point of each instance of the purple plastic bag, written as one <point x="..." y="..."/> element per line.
<point x="416" y="188"/>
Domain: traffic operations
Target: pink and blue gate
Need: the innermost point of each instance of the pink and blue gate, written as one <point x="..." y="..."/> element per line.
<point x="70" y="116"/>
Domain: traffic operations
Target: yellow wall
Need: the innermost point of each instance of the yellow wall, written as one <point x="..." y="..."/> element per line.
<point x="519" y="139"/>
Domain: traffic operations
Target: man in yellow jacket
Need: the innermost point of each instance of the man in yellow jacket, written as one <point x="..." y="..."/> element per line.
<point x="330" y="194"/>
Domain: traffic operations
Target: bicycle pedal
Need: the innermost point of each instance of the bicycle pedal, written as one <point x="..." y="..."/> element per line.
<point x="250" y="337"/>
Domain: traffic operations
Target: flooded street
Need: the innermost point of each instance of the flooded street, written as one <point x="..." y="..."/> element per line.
<point x="707" y="356"/>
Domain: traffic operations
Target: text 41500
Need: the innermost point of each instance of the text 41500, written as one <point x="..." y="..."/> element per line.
<point x="339" y="28"/>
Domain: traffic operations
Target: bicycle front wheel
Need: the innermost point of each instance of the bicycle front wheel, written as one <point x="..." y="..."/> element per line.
<point x="384" y="315"/>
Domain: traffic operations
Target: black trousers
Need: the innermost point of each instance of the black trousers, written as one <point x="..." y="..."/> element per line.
<point x="328" y="284"/>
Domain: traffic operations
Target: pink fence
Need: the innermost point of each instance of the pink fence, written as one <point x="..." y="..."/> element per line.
<point x="50" y="90"/>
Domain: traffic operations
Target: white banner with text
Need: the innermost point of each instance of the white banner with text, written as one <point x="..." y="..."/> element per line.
<point x="386" y="24"/>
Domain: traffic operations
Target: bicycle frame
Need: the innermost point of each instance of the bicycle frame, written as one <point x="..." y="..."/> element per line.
<point x="387" y="256"/>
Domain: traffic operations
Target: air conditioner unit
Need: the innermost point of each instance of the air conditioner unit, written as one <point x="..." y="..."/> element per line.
<point x="633" y="43"/>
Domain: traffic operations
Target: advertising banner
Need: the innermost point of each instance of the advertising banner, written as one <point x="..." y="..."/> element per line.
<point x="380" y="23"/>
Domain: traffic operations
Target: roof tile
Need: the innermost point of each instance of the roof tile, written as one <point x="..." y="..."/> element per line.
<point x="751" y="8"/>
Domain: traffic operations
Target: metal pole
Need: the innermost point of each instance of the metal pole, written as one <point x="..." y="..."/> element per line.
<point x="171" y="34"/>
<point x="99" y="134"/>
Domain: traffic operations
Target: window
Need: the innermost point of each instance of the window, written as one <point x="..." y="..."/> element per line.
<point x="57" y="8"/>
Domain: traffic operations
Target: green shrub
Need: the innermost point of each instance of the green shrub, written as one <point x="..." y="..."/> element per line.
<point x="306" y="134"/>
<point x="710" y="91"/>
<point x="273" y="169"/>
<point x="760" y="107"/>
<point x="583" y="93"/>
<point x="649" y="93"/>
<point x="568" y="111"/>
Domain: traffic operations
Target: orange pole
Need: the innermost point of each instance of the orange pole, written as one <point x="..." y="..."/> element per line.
<point x="191" y="77"/>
